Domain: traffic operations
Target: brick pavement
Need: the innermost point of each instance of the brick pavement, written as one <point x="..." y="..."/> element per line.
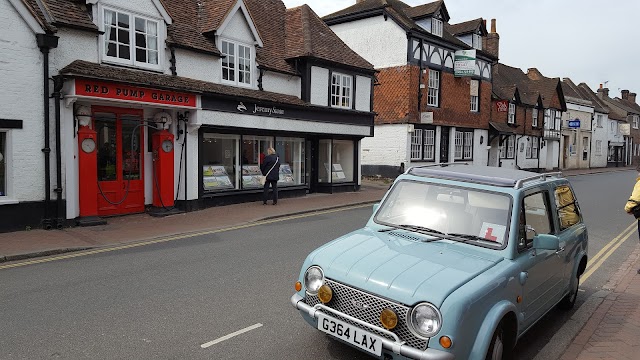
<point x="613" y="330"/>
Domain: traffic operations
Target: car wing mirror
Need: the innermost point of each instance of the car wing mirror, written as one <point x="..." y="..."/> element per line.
<point x="546" y="242"/>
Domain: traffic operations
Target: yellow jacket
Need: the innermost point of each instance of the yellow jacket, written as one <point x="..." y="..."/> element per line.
<point x="635" y="197"/>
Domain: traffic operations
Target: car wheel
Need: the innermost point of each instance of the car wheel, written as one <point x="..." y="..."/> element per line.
<point x="499" y="348"/>
<point x="568" y="302"/>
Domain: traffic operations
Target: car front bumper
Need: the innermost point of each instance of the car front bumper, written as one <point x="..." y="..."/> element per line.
<point x="397" y="347"/>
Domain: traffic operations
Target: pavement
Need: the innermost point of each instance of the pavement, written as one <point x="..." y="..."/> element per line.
<point x="607" y="325"/>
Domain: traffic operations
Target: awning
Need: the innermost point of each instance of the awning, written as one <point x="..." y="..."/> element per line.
<point x="502" y="128"/>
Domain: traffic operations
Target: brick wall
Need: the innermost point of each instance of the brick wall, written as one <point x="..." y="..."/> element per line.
<point x="396" y="94"/>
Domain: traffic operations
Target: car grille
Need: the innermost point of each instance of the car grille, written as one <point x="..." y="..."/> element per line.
<point x="345" y="299"/>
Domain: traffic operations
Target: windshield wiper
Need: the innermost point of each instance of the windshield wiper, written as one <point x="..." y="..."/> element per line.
<point x="465" y="237"/>
<point x="412" y="227"/>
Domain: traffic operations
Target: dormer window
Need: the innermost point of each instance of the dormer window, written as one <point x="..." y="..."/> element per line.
<point x="237" y="63"/>
<point x="512" y="113"/>
<point x="436" y="27"/>
<point x="476" y="41"/>
<point x="131" y="39"/>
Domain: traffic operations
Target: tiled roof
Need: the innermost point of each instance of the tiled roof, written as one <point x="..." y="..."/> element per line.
<point x="571" y="92"/>
<point x="630" y="106"/>
<point x="467" y="27"/>
<point x="62" y="13"/>
<point x="194" y="22"/>
<point x="85" y="69"/>
<point x="425" y="10"/>
<point x="308" y="36"/>
<point x="599" y="105"/>
<point x="530" y="90"/>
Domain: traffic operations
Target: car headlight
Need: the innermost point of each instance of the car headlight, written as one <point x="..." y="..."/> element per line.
<point x="425" y="320"/>
<point x="313" y="279"/>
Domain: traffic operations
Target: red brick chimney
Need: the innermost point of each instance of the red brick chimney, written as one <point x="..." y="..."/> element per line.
<point x="632" y="97"/>
<point x="603" y="92"/>
<point x="625" y="94"/>
<point x="492" y="42"/>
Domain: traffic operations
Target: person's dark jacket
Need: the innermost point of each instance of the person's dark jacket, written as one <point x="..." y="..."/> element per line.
<point x="269" y="160"/>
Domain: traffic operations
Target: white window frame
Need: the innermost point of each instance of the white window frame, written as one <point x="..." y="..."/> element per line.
<point x="236" y="63"/>
<point x="416" y="144"/>
<point x="507" y="149"/>
<point x="476" y="41"/>
<point x="7" y="162"/>
<point x="458" y="145"/>
<point x="433" y="95"/>
<point x="636" y="121"/>
<point x="341" y="92"/>
<point x="599" y="147"/>
<point x="160" y="38"/>
<point x="534" y="117"/>
<point x="512" y="113"/>
<point x="599" y="118"/>
<point x="430" y="144"/>
<point x="463" y="145"/>
<point x="557" y="120"/>
<point x="475" y="100"/>
<point x="436" y="27"/>
<point x="547" y="119"/>
<point x="535" y="146"/>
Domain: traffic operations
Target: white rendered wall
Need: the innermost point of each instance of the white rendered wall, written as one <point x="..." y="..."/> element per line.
<point x="282" y="84"/>
<point x="319" y="86"/>
<point x="198" y="66"/>
<point x="382" y="43"/>
<point x="142" y="7"/>
<point x="21" y="97"/>
<point x="388" y="146"/>
<point x="523" y="162"/>
<point x="599" y="134"/>
<point x="363" y="93"/>
<point x="238" y="29"/>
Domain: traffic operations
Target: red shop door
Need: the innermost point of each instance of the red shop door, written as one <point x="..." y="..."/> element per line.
<point x="120" y="149"/>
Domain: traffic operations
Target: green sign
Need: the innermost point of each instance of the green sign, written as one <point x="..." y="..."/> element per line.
<point x="464" y="63"/>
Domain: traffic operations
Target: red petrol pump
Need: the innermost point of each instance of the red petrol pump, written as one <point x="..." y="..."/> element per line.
<point x="163" y="163"/>
<point x="88" y="176"/>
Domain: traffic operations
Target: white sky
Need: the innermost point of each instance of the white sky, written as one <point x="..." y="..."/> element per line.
<point x="591" y="41"/>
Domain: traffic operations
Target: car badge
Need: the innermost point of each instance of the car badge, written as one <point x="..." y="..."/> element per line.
<point x="360" y="305"/>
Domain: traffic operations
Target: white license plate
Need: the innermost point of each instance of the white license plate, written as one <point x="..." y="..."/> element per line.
<point x="350" y="334"/>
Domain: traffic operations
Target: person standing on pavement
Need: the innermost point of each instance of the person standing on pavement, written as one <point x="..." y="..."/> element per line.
<point x="632" y="206"/>
<point x="270" y="168"/>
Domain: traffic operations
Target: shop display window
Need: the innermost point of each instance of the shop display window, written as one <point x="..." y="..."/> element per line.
<point x="292" y="161"/>
<point x="3" y="166"/>
<point x="219" y="158"/>
<point x="254" y="150"/>
<point x="336" y="158"/>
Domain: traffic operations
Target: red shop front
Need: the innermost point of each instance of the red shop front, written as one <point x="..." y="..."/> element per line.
<point x="121" y="128"/>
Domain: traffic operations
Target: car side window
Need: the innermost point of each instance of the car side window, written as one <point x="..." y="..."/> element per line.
<point x="535" y="214"/>
<point x="568" y="212"/>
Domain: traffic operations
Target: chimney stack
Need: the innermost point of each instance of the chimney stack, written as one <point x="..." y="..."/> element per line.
<point x="492" y="43"/>
<point x="603" y="93"/>
<point x="632" y="97"/>
<point x="625" y="94"/>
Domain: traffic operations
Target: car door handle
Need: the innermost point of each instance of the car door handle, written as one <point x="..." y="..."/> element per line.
<point x="560" y="250"/>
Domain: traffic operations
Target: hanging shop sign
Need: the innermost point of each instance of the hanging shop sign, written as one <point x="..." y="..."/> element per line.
<point x="464" y="63"/>
<point x="116" y="91"/>
<point x="502" y="106"/>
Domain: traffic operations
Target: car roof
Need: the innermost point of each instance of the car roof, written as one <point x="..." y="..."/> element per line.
<point x="486" y="175"/>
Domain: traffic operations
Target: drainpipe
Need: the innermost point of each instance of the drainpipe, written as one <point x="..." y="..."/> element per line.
<point x="46" y="42"/>
<point x="58" y="82"/>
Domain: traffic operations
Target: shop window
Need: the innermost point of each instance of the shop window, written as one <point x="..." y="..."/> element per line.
<point x="336" y="158"/>
<point x="341" y="90"/>
<point x="131" y="39"/>
<point x="292" y="159"/>
<point x="3" y="164"/>
<point x="254" y="150"/>
<point x="220" y="160"/>
<point x="236" y="63"/>
<point x="568" y="212"/>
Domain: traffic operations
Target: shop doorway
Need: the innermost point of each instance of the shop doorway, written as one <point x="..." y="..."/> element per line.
<point x="120" y="160"/>
<point x="444" y="145"/>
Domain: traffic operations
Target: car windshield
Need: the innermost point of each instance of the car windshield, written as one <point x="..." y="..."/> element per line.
<point x="464" y="214"/>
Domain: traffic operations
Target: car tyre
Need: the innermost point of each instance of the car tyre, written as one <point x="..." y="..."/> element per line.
<point x="499" y="349"/>
<point x="569" y="301"/>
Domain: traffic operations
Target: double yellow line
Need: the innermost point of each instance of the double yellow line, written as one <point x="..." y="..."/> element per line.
<point x="177" y="237"/>
<point x="598" y="259"/>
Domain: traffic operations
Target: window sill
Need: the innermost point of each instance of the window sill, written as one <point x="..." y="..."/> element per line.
<point x="8" y="201"/>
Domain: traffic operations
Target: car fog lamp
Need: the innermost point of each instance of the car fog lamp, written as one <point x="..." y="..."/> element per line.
<point x="446" y="342"/>
<point x="325" y="294"/>
<point x="425" y="320"/>
<point x="389" y="319"/>
<point x="298" y="286"/>
<point x="313" y="279"/>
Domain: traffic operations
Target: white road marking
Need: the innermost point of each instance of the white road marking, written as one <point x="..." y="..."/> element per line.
<point x="227" y="337"/>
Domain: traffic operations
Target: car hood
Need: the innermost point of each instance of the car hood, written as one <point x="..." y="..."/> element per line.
<point x="397" y="265"/>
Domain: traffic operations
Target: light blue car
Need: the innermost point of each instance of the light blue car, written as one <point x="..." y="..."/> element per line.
<point x="457" y="262"/>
